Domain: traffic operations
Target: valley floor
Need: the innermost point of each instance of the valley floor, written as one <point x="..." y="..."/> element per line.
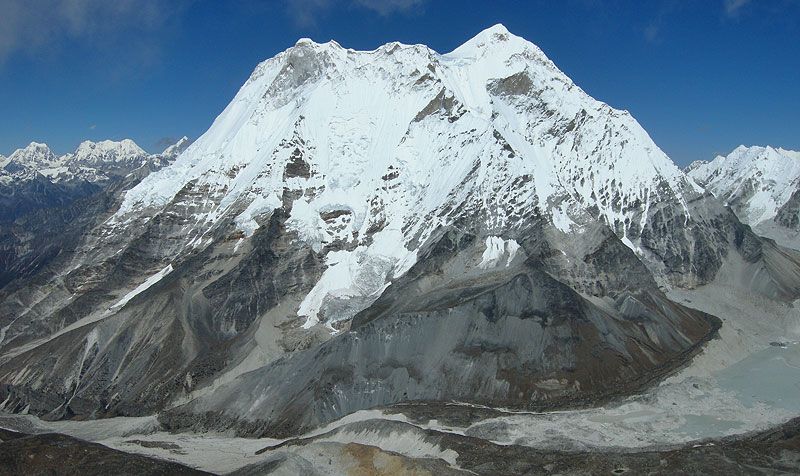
<point x="744" y="381"/>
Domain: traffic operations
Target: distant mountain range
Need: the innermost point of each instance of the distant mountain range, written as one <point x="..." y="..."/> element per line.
<point x="46" y="200"/>
<point x="91" y="161"/>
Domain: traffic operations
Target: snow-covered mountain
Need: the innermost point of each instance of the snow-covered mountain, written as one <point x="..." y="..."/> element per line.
<point x="322" y="116"/>
<point x="761" y="184"/>
<point x="358" y="137"/>
<point x="363" y="228"/>
<point x="35" y="155"/>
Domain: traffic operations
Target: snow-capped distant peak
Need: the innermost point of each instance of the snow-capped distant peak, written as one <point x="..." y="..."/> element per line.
<point x="34" y="155"/>
<point x="108" y="151"/>
<point x="756" y="181"/>
<point x="91" y="161"/>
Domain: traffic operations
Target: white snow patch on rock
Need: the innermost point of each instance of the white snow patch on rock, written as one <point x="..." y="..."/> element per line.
<point x="143" y="287"/>
<point x="361" y="273"/>
<point x="561" y="220"/>
<point x="246" y="222"/>
<point x="498" y="249"/>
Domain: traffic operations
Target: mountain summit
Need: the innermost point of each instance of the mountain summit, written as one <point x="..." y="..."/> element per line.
<point x="360" y="136"/>
<point x="364" y="228"/>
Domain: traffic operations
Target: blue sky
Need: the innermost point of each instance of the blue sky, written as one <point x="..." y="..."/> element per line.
<point x="701" y="76"/>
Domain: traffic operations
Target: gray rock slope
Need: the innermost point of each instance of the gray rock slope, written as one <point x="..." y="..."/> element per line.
<point x="517" y="337"/>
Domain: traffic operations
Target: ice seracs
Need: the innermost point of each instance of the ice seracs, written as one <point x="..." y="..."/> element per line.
<point x="498" y="252"/>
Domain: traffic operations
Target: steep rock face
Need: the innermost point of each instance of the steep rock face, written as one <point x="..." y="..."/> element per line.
<point x="761" y="186"/>
<point x="452" y="328"/>
<point x="402" y="225"/>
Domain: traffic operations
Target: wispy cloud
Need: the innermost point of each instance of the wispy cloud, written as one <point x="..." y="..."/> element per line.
<point x="387" y="7"/>
<point x="34" y="27"/>
<point x="734" y="7"/>
<point x="307" y="12"/>
<point x="651" y="32"/>
<point x="93" y="127"/>
<point x="666" y="9"/>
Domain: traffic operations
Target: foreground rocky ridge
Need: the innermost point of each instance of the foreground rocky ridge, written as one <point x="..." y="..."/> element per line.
<point x="772" y="452"/>
<point x="483" y="231"/>
<point x="53" y="453"/>
<point x="646" y="430"/>
<point x="362" y="448"/>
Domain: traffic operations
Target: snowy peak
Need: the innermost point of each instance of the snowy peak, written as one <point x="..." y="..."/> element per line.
<point x="35" y="155"/>
<point x="372" y="151"/>
<point x="177" y="148"/>
<point x="756" y="181"/>
<point x="494" y="37"/>
<point x="91" y="161"/>
<point x="497" y="28"/>
<point x="107" y="152"/>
